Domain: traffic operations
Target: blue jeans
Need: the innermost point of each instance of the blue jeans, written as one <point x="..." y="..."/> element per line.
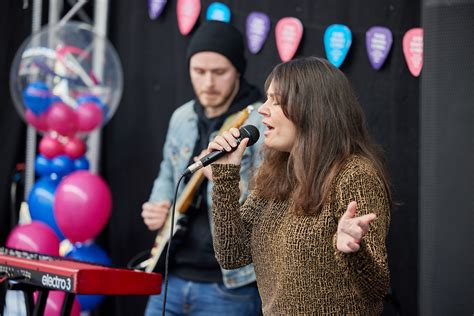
<point x="205" y="299"/>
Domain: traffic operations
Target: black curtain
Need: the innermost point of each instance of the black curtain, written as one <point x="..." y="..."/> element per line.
<point x="446" y="156"/>
<point x="156" y="83"/>
<point x="15" y="26"/>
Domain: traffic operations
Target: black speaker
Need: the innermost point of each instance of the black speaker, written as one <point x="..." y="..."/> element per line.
<point x="446" y="279"/>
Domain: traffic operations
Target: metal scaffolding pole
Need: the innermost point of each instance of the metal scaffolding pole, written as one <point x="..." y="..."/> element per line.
<point x="101" y="8"/>
<point x="31" y="132"/>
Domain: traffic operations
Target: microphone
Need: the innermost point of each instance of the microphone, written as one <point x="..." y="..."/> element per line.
<point x="247" y="131"/>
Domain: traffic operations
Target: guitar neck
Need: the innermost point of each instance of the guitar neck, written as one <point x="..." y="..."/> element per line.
<point x="187" y="196"/>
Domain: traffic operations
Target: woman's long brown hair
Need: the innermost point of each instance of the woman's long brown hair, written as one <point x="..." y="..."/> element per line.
<point x="330" y="126"/>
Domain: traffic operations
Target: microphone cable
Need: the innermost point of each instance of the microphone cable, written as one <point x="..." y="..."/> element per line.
<point x="167" y="257"/>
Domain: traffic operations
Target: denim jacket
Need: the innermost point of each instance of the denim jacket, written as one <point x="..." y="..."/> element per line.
<point x="180" y="140"/>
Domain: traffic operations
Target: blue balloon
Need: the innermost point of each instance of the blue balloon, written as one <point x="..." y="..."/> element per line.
<point x="94" y="254"/>
<point x="105" y="110"/>
<point x="89" y="253"/>
<point x="37" y="97"/>
<point x="55" y="98"/>
<point x="42" y="165"/>
<point x="62" y="165"/>
<point x="89" y="302"/>
<point x="81" y="163"/>
<point x="88" y="98"/>
<point x="40" y="202"/>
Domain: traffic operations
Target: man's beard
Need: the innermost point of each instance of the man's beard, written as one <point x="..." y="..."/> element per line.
<point x="224" y="100"/>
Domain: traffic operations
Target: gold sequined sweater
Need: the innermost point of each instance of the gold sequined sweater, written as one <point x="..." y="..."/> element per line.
<point x="299" y="270"/>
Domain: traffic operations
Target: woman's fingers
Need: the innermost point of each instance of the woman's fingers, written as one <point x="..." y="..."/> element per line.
<point x="351" y="230"/>
<point x="230" y="138"/>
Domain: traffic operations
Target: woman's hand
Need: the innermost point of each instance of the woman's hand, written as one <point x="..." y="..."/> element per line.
<point x="351" y="229"/>
<point x="228" y="142"/>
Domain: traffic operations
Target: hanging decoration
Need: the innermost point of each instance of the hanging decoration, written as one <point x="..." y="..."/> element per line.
<point x="337" y="41"/>
<point x="288" y="34"/>
<point x="257" y="28"/>
<point x="378" y="40"/>
<point x="413" y="50"/>
<point x="218" y="12"/>
<point x="155" y="8"/>
<point x="187" y="12"/>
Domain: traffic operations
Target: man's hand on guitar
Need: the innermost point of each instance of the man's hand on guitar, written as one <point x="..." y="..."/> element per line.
<point x="154" y="214"/>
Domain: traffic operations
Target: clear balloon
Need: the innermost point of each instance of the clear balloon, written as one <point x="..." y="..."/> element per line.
<point x="63" y="64"/>
<point x="36" y="237"/>
<point x="82" y="205"/>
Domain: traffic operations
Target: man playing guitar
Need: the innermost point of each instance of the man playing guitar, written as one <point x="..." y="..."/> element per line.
<point x="197" y="284"/>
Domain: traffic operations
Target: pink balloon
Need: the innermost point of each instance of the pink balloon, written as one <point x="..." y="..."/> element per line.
<point x="50" y="147"/>
<point x="36" y="237"/>
<point x="39" y="122"/>
<point x="82" y="205"/>
<point x="89" y="116"/>
<point x="62" y="119"/>
<point x="75" y="148"/>
<point x="54" y="303"/>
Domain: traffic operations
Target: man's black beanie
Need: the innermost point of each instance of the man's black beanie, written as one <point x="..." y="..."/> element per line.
<point x="219" y="37"/>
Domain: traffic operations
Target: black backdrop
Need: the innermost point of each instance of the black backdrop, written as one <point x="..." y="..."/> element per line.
<point x="15" y="26"/>
<point x="156" y="82"/>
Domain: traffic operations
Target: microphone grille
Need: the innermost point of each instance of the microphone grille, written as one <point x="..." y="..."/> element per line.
<point x="250" y="132"/>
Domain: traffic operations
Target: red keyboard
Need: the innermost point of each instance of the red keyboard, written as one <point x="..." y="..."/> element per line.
<point x="56" y="273"/>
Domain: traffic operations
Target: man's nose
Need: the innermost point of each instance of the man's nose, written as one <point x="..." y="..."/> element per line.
<point x="209" y="79"/>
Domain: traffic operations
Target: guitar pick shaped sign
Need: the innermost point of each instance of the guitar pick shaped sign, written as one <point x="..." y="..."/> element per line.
<point x="155" y="7"/>
<point x="288" y="34"/>
<point x="188" y="13"/>
<point x="218" y="12"/>
<point x="337" y="41"/>
<point x="413" y="50"/>
<point x="257" y="28"/>
<point x="378" y="41"/>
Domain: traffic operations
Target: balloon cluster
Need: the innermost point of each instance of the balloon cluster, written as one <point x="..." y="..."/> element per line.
<point x="66" y="82"/>
<point x="45" y="111"/>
